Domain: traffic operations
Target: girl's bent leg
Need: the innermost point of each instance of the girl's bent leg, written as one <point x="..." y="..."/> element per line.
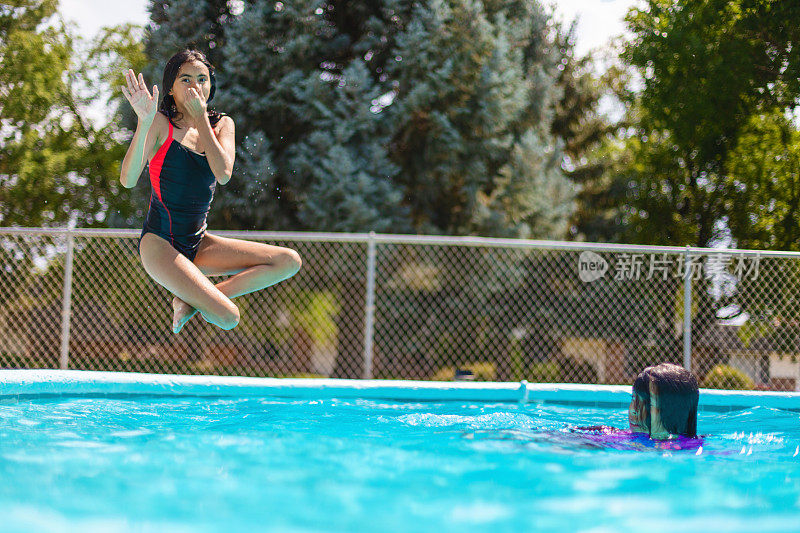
<point x="184" y="279"/>
<point x="252" y="265"/>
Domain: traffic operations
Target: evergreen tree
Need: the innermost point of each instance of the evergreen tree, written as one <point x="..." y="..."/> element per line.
<point x="342" y="167"/>
<point x="271" y="49"/>
<point x="455" y="87"/>
<point x="178" y="24"/>
<point x="252" y="201"/>
<point x="471" y="84"/>
<point x="532" y="198"/>
<point x="346" y="183"/>
<point x="590" y="138"/>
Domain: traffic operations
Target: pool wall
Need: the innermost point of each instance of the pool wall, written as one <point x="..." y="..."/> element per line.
<point x="32" y="384"/>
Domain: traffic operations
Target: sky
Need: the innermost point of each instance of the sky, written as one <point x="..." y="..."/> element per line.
<point x="598" y="20"/>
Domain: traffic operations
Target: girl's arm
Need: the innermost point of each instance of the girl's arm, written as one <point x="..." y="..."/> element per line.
<point x="219" y="145"/>
<point x="138" y="153"/>
<point x="143" y="140"/>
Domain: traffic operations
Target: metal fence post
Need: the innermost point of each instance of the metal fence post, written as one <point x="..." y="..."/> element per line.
<point x="687" y="311"/>
<point x="369" y="307"/>
<point x="66" y="303"/>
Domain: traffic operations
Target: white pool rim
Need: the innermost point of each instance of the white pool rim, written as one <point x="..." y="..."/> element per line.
<point x="32" y="384"/>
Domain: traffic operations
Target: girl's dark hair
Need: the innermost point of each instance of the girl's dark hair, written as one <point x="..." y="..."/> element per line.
<point x="678" y="397"/>
<point x="168" y="106"/>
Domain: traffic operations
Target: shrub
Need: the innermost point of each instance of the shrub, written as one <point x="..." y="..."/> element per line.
<point x="544" y="373"/>
<point x="483" y="371"/>
<point x="727" y="377"/>
<point x="574" y="370"/>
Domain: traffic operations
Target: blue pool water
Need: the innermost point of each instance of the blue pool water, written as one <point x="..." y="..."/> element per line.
<point x="266" y="464"/>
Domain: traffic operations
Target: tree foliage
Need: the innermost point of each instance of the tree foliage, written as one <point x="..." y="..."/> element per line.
<point x="706" y="67"/>
<point x="764" y="180"/>
<point x="57" y="166"/>
<point x="581" y="120"/>
<point x="711" y="152"/>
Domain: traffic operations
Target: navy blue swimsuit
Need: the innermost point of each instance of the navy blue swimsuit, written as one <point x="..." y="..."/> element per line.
<point x="182" y="189"/>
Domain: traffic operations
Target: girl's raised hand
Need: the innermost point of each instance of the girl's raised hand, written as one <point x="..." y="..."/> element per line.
<point x="139" y="97"/>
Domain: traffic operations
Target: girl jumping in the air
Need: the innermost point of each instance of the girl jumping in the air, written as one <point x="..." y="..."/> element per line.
<point x="189" y="149"/>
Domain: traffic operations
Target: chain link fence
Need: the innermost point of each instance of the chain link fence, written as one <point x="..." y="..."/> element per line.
<point x="403" y="307"/>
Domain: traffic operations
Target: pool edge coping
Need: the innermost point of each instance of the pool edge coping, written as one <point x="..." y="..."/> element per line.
<point x="18" y="384"/>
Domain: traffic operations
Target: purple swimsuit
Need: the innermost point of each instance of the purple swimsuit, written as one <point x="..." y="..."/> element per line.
<point x="622" y="439"/>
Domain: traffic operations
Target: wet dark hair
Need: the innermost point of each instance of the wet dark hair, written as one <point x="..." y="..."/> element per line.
<point x="174" y="64"/>
<point x="678" y="397"/>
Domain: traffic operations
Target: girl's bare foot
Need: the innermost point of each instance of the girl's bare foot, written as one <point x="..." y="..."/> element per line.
<point x="182" y="313"/>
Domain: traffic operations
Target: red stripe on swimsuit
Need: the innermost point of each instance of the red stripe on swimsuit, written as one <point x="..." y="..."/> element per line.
<point x="155" y="175"/>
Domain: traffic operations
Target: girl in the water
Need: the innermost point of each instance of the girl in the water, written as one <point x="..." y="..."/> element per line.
<point x="662" y="413"/>
<point x="189" y="148"/>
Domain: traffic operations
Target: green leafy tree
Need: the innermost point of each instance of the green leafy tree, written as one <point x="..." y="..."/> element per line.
<point x="56" y="165"/>
<point x="708" y="68"/>
<point x="59" y="162"/>
<point x="764" y="180"/>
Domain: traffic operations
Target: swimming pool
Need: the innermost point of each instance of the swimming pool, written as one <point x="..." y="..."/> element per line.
<point x="83" y="451"/>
